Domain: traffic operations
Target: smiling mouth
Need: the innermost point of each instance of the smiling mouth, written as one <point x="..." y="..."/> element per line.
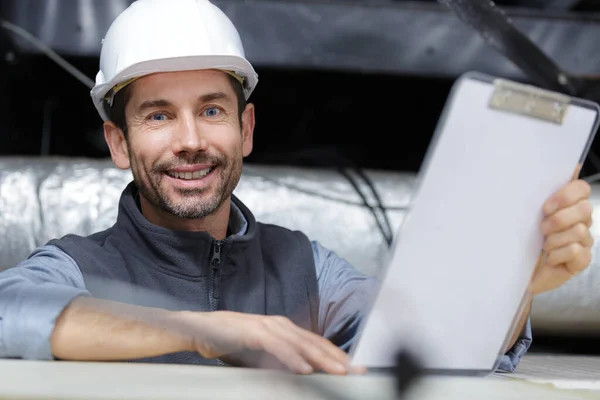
<point x="189" y="176"/>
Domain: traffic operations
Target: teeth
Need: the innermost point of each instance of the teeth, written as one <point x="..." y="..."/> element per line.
<point x="190" y="175"/>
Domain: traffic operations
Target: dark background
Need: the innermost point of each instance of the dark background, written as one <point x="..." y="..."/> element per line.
<point x="372" y="121"/>
<point x="377" y="109"/>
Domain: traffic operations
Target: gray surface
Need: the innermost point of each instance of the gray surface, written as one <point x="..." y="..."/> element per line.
<point x="564" y="367"/>
<point x="67" y="380"/>
<point x="380" y="36"/>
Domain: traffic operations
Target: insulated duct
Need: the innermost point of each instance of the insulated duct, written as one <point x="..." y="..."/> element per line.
<point x="44" y="198"/>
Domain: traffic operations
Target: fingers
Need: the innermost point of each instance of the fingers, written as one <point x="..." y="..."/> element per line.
<point x="566" y="252"/>
<point x="245" y="338"/>
<point x="299" y="350"/>
<point x="579" y="233"/>
<point x="574" y="257"/>
<point x="265" y="345"/>
<point x="578" y="212"/>
<point x="568" y="241"/>
<point x="559" y="266"/>
<point x="553" y="274"/>
<point x="288" y="355"/>
<point x="549" y="278"/>
<point x="570" y="194"/>
<point x="329" y="348"/>
<point x="331" y="351"/>
<point x="319" y="353"/>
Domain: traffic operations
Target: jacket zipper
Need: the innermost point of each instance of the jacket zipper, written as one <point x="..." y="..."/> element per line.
<point x="215" y="285"/>
<point x="215" y="264"/>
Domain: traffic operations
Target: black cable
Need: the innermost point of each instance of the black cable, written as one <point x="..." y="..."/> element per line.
<point x="329" y="158"/>
<point x="493" y="25"/>
<point x="386" y="235"/>
<point x="382" y="209"/>
<point x="389" y="235"/>
<point x="249" y="170"/>
<point x="499" y="32"/>
<point x="64" y="64"/>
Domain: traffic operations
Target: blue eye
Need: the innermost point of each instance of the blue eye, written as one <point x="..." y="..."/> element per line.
<point x="211" y="112"/>
<point x="158" y="117"/>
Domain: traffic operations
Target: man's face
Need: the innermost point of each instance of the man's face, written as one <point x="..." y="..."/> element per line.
<point x="185" y="145"/>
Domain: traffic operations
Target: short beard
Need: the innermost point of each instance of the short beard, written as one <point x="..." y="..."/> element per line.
<point x="190" y="207"/>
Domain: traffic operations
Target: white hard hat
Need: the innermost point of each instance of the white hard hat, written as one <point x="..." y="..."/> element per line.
<point x="168" y="35"/>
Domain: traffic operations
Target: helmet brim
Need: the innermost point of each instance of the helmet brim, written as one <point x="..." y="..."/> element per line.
<point x="235" y="64"/>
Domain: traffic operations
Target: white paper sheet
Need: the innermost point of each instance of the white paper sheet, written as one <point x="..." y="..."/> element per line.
<point x="467" y="248"/>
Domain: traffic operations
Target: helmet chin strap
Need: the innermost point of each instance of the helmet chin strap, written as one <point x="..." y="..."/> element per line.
<point x="237" y="76"/>
<point x="110" y="96"/>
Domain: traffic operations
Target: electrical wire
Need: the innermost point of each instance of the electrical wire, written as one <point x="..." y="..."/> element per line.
<point x="380" y="206"/>
<point x="330" y="159"/>
<point x="385" y="227"/>
<point x="387" y="234"/>
<point x="253" y="172"/>
<point x="497" y="30"/>
<point x="48" y="52"/>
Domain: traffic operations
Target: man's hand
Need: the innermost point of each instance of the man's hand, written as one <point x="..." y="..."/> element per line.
<point x="568" y="242"/>
<point x="248" y="338"/>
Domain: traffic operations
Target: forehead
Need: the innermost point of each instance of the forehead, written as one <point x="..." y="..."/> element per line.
<point x="181" y="84"/>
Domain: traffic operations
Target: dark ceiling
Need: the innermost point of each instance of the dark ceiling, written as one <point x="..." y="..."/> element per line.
<point x="364" y="79"/>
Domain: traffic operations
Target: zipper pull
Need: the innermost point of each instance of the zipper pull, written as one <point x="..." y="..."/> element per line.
<point x="216" y="261"/>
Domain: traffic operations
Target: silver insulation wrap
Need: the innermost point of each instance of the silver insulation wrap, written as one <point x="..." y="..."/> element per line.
<point x="45" y="198"/>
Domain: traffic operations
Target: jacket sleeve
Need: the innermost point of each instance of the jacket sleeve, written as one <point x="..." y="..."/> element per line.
<point x="509" y="361"/>
<point x="32" y="296"/>
<point x="344" y="293"/>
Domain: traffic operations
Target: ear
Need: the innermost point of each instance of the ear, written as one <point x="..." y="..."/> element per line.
<point x="247" y="130"/>
<point x="117" y="144"/>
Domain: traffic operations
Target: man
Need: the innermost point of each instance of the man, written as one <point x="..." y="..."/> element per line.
<point x="186" y="275"/>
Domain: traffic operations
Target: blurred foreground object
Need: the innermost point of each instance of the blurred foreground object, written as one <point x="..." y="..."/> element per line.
<point x="73" y="380"/>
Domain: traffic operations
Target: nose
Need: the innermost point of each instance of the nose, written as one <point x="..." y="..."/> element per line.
<point x="189" y="136"/>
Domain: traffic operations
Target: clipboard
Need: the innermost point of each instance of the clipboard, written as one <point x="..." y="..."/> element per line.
<point x="459" y="272"/>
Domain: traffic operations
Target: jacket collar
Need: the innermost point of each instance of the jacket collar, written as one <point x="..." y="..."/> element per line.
<point x="242" y="224"/>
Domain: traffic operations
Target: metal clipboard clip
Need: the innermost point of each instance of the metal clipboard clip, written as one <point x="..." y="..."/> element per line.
<point x="529" y="100"/>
